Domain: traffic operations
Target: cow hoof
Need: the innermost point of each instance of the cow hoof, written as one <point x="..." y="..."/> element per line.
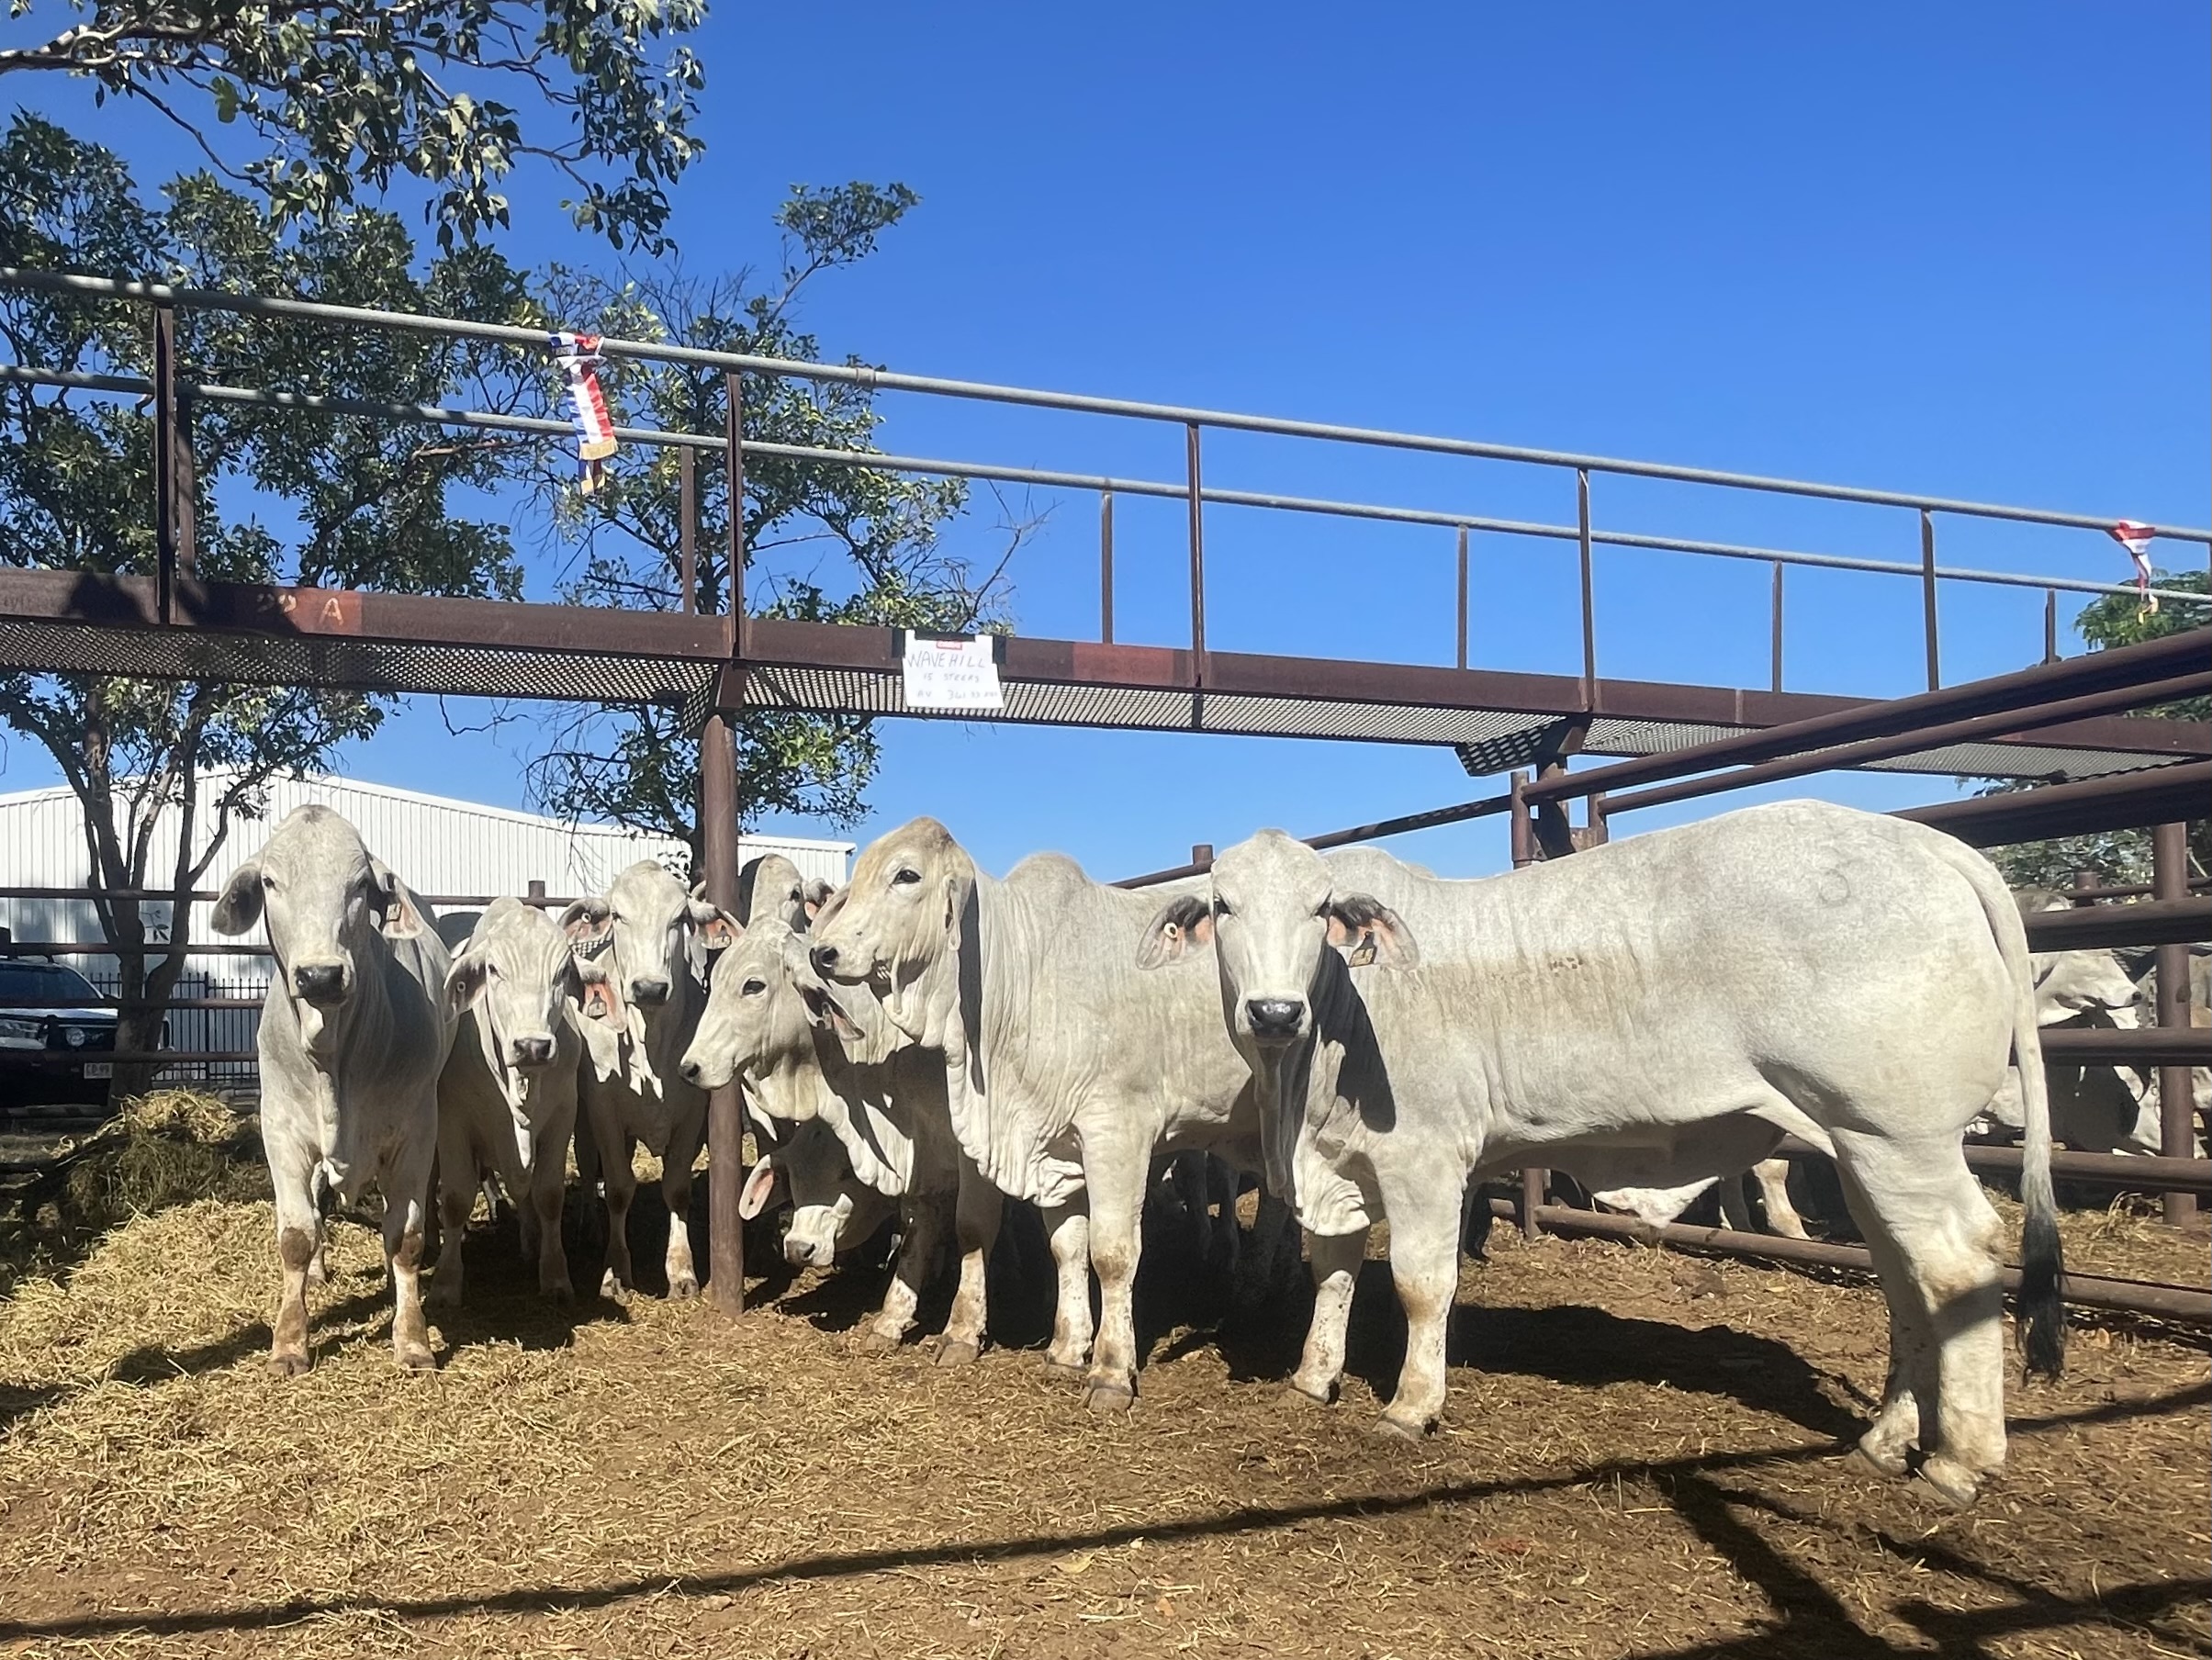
<point x="1301" y="1394"/>
<point x="1107" y="1396"/>
<point x="1952" y="1481"/>
<point x="682" y="1287"/>
<point x="1064" y="1372"/>
<point x="288" y="1365"/>
<point x="418" y="1359"/>
<point x="1386" y="1427"/>
<point x="957" y="1352"/>
<point x="1878" y="1461"/>
<point x="317" y="1274"/>
<point x="872" y="1342"/>
<point x="613" y="1290"/>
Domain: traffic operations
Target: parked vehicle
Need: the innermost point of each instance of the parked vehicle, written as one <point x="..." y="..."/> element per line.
<point x="57" y="1034"/>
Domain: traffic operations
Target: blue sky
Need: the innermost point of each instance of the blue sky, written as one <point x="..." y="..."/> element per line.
<point x="1961" y="250"/>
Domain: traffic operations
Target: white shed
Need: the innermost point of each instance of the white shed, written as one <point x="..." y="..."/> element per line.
<point x="438" y="845"/>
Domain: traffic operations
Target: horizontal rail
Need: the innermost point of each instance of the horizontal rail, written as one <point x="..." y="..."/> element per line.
<point x="200" y="896"/>
<point x="71" y="947"/>
<point x="2156" y="922"/>
<point x="2141" y="1171"/>
<point x="2143" y="1046"/>
<point x="886" y="380"/>
<point x="2084" y="1290"/>
<point x="1974" y="729"/>
<point x="2158" y="795"/>
<point x="494" y="420"/>
<point x="2153" y="661"/>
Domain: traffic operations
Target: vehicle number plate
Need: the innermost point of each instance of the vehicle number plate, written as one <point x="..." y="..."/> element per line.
<point x="99" y="1068"/>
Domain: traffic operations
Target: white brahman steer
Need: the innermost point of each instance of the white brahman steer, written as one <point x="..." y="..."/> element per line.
<point x="809" y="1058"/>
<point x="1066" y="1071"/>
<point x="1622" y="1022"/>
<point x="507" y="1098"/>
<point x="353" y="1033"/>
<point x="656" y="942"/>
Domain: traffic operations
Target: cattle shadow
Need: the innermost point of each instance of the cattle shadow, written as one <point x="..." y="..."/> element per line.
<point x="1589" y="1347"/>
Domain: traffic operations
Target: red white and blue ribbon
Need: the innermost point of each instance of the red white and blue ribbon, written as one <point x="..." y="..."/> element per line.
<point x="579" y="357"/>
<point x="2136" y="539"/>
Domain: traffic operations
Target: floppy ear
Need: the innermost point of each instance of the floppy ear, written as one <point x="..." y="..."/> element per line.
<point x="1183" y="925"/>
<point x="240" y="906"/>
<point x="401" y="920"/>
<point x="716" y="929"/>
<point x="761" y="1187"/>
<point x="599" y="998"/>
<point x="826" y="913"/>
<point x="465" y="981"/>
<point x="816" y="895"/>
<point x="585" y="923"/>
<point x="1366" y="930"/>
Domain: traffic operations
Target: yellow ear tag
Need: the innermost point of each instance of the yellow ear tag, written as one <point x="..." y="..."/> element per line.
<point x="1364" y="953"/>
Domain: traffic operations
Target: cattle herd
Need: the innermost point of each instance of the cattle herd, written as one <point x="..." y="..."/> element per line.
<point x="1365" y="1039"/>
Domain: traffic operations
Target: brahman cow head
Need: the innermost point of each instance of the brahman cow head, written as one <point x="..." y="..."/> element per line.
<point x="1271" y="913"/>
<point x="901" y="915"/>
<point x="649" y="933"/>
<point x="833" y="1209"/>
<point x="323" y="898"/>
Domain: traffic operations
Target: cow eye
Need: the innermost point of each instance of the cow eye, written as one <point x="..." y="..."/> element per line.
<point x="903" y="876"/>
<point x="753" y="988"/>
<point x="269" y="882"/>
<point x="1221" y="908"/>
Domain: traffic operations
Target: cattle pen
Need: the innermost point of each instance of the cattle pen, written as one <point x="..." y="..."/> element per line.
<point x="2064" y="719"/>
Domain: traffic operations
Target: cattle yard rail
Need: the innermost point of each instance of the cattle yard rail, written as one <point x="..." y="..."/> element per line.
<point x="169" y="623"/>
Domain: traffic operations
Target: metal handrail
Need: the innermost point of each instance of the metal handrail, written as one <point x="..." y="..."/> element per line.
<point x="1054" y="478"/>
<point x="874" y="379"/>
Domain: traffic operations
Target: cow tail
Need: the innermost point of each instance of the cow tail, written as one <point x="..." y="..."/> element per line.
<point x="2042" y="1310"/>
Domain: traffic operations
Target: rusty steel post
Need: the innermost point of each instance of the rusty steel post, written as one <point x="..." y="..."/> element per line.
<point x="1521" y="825"/>
<point x="1198" y="512"/>
<point x="686" y="528"/>
<point x="1927" y="596"/>
<point x="2050" y="625"/>
<point x="718" y="810"/>
<point x="2176" y="1103"/>
<point x="1202" y="853"/>
<point x="173" y="488"/>
<point x="1589" y="597"/>
<point x="1776" y="679"/>
<point x="534" y="892"/>
<point x="1463" y="597"/>
<point x="1106" y="567"/>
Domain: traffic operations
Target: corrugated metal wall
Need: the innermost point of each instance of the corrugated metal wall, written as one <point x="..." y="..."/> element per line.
<point x="437" y="845"/>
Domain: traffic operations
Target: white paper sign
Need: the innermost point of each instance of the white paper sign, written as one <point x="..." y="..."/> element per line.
<point x="951" y="674"/>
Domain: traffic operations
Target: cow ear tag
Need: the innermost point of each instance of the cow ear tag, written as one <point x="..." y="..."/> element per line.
<point x="1364" y="953"/>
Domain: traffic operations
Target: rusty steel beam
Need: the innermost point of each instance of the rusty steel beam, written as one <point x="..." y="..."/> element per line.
<point x="2176" y="1090"/>
<point x="1980" y="729"/>
<point x="2084" y="1290"/>
<point x="2119" y="802"/>
<point x="2125" y="666"/>
<point x="2156" y="922"/>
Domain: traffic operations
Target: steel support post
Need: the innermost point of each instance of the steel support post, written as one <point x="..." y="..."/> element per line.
<point x="2176" y="1103"/>
<point x="1927" y="596"/>
<point x="1590" y="591"/>
<point x="174" y="488"/>
<point x="1775" y="679"/>
<point x="718" y="850"/>
<point x="1197" y="517"/>
<point x="1106" y="567"/>
<point x="1462" y="658"/>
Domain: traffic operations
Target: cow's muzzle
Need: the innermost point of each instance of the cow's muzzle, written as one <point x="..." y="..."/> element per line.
<point x="809" y="1252"/>
<point x="1274" y="1019"/>
<point x="534" y="1050"/>
<point x="324" y="984"/>
<point x="650" y="992"/>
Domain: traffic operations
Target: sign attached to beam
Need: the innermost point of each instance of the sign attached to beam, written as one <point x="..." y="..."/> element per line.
<point x="952" y="672"/>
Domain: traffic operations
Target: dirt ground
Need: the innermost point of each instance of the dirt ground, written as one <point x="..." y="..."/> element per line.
<point x="1640" y="1457"/>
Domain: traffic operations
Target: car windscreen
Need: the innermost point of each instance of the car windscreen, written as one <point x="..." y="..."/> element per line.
<point x="29" y="983"/>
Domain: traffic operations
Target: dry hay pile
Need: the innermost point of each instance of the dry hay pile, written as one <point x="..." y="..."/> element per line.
<point x="166" y="1147"/>
<point x="1639" y="1458"/>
